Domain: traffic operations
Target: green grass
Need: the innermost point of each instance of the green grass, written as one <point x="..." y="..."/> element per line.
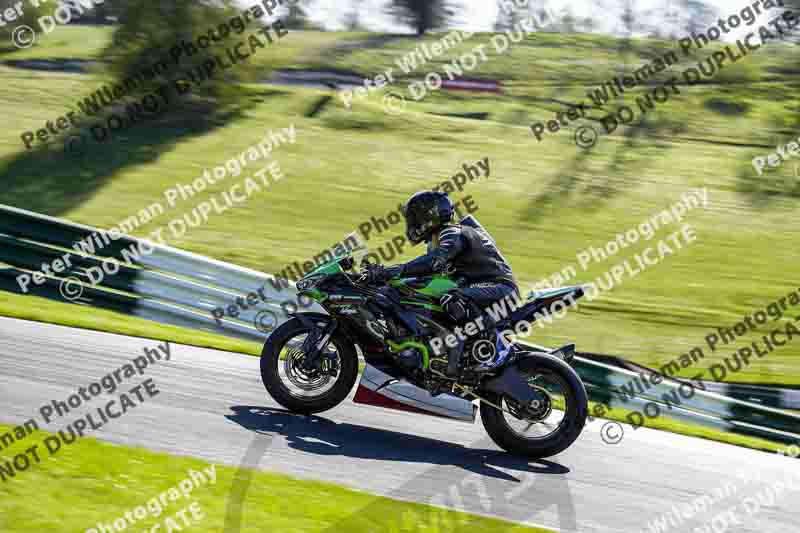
<point x="67" y="42"/>
<point x="91" y="481"/>
<point x="49" y="311"/>
<point x="544" y="202"/>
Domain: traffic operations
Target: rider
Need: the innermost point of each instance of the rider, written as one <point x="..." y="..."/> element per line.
<point x="467" y="253"/>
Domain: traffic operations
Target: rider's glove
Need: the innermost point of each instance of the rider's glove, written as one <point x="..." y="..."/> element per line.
<point x="380" y="273"/>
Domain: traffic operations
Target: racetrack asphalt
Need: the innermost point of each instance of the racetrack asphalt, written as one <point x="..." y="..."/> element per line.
<point x="212" y="405"/>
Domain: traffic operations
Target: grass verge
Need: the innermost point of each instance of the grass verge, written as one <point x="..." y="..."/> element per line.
<point x="91" y="481"/>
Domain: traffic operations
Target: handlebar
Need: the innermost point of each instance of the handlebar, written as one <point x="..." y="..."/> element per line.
<point x="366" y="269"/>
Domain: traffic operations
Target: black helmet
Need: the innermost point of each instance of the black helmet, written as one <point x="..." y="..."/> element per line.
<point x="426" y="212"/>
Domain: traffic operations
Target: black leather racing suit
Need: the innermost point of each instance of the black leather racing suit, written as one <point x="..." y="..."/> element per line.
<point x="470" y="254"/>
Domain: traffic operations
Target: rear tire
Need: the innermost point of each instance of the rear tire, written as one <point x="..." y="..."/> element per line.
<point x="270" y="364"/>
<point x="574" y="418"/>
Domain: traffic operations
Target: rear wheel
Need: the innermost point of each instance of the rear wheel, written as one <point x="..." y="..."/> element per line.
<point x="296" y="385"/>
<point x="551" y="422"/>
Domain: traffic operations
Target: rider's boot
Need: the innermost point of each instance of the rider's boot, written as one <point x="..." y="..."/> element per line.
<point x="454" y="359"/>
<point x="493" y="354"/>
<point x="471" y="313"/>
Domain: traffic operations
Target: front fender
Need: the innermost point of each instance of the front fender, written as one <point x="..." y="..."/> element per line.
<point x="312" y="320"/>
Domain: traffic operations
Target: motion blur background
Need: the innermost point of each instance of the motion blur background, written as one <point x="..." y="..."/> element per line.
<point x="544" y="202"/>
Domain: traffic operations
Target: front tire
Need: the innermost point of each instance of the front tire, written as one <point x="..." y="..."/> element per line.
<point x="567" y="431"/>
<point x="271" y="363"/>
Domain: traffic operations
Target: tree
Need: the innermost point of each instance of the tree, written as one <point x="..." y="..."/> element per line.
<point x="698" y="15"/>
<point x="101" y="13"/>
<point x="588" y="24"/>
<point x="352" y="18"/>
<point x="147" y="34"/>
<point x="295" y="15"/>
<point x="628" y="18"/>
<point x="506" y="18"/>
<point x="674" y="19"/>
<point x="794" y="6"/>
<point x="567" y="22"/>
<point x="422" y="15"/>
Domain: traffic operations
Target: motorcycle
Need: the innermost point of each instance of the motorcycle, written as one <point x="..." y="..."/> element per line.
<point x="533" y="403"/>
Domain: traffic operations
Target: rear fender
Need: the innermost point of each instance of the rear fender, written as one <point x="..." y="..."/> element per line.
<point x="510" y="383"/>
<point x="526" y="361"/>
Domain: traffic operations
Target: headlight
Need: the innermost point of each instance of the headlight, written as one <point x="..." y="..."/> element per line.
<point x="306" y="284"/>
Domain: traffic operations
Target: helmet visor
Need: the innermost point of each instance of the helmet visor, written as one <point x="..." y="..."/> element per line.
<point x="413" y="229"/>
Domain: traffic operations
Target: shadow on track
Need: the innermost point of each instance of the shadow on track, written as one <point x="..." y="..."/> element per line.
<point x="538" y="489"/>
<point x="321" y="436"/>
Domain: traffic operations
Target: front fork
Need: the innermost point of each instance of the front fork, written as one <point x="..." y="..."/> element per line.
<point x="318" y="338"/>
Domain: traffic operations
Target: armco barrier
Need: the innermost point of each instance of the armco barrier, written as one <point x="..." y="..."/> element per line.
<point x="598" y="393"/>
<point x="675" y="399"/>
<point x="678" y="400"/>
<point x="171" y="286"/>
<point x="762" y="395"/>
<point x="127" y="304"/>
<point x="165" y="284"/>
<point x="758" y="394"/>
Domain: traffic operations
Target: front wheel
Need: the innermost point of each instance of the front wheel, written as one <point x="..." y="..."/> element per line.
<point x="549" y="424"/>
<point x="299" y="387"/>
